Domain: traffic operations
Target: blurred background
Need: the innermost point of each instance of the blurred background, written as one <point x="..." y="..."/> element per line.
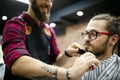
<point x="68" y="17"/>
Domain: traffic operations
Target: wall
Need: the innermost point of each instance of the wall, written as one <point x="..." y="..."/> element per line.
<point x="72" y="35"/>
<point x="1" y="53"/>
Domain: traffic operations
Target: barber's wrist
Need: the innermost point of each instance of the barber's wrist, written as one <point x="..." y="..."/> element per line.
<point x="68" y="74"/>
<point x="68" y="55"/>
<point x="63" y="74"/>
<point x="71" y="74"/>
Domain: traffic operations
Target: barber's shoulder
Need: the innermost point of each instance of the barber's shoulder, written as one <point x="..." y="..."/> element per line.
<point x="15" y="23"/>
<point x="16" y="20"/>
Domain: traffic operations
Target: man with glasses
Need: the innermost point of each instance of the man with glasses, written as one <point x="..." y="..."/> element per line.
<point x="30" y="48"/>
<point x="102" y="38"/>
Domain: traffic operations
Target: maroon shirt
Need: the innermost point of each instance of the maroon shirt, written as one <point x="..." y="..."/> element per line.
<point x="14" y="38"/>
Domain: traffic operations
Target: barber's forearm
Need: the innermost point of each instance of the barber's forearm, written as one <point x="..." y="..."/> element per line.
<point x="35" y="69"/>
<point x="64" y="61"/>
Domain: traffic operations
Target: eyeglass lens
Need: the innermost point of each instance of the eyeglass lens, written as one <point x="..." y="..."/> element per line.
<point x="91" y="35"/>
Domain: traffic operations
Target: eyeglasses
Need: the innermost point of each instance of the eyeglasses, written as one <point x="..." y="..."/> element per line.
<point x="92" y="35"/>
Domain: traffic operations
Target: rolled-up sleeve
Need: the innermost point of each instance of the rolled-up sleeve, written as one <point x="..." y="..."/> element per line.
<point x="13" y="42"/>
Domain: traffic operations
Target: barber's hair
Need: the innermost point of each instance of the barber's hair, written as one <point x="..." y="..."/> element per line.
<point x="112" y="27"/>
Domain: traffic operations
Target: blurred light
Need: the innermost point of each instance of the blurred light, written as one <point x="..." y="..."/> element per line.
<point x="79" y="13"/>
<point x="52" y="25"/>
<point x="24" y="1"/>
<point x="4" y="18"/>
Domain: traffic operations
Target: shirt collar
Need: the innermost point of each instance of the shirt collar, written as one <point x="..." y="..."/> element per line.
<point x="27" y="19"/>
<point x="31" y="22"/>
<point x="109" y="59"/>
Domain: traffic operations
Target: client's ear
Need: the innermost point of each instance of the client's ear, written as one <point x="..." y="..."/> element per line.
<point x="114" y="39"/>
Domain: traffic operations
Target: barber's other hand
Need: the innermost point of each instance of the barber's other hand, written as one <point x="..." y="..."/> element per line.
<point x="72" y="50"/>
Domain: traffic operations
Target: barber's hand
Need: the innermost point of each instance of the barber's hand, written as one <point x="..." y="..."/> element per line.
<point x="73" y="49"/>
<point x="83" y="64"/>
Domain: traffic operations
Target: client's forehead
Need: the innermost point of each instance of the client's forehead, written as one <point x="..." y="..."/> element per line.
<point x="98" y="25"/>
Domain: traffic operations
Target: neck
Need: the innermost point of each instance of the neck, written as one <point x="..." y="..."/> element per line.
<point x="32" y="15"/>
<point x="104" y="57"/>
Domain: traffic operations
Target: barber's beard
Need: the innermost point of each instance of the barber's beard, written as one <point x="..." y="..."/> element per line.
<point x="43" y="17"/>
<point x="100" y="50"/>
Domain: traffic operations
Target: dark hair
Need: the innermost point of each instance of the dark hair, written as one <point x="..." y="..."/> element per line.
<point x="113" y="27"/>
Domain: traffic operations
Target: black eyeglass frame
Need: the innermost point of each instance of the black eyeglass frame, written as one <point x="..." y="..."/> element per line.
<point x="93" y="34"/>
